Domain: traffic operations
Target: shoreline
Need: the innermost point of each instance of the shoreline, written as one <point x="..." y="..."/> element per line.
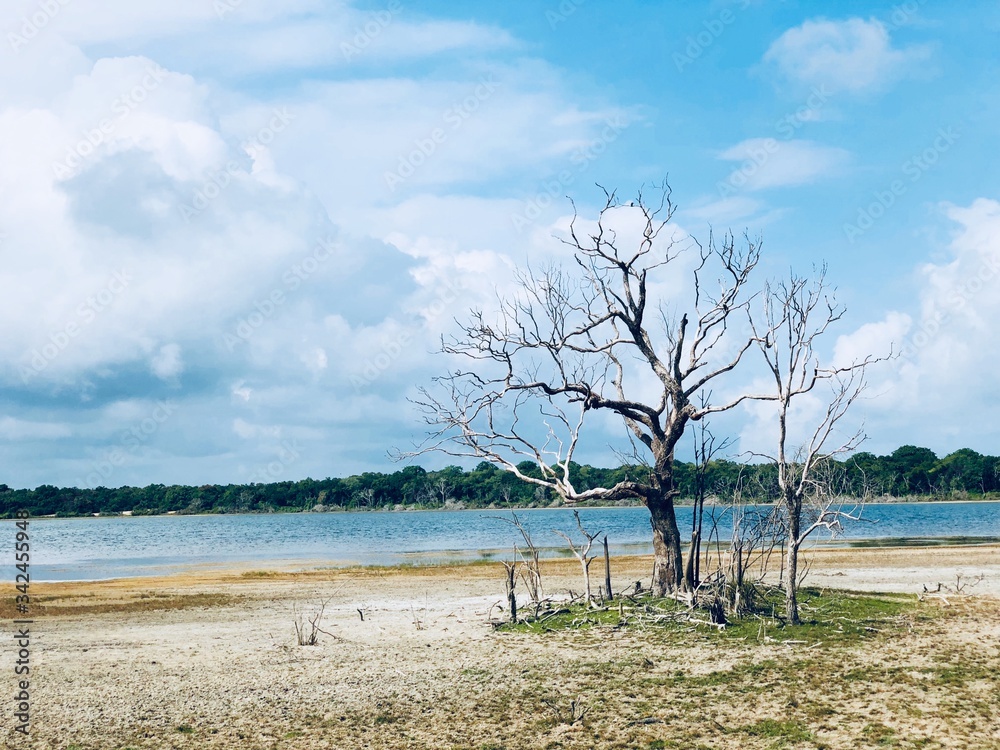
<point x="469" y="558"/>
<point x="338" y="511"/>
<point x="851" y="563"/>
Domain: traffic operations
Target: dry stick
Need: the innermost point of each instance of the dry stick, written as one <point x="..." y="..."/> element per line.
<point x="511" y="596"/>
<point x="512" y="570"/>
<point x="607" y="570"/>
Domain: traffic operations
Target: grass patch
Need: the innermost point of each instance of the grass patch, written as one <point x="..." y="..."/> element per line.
<point x="879" y="735"/>
<point x="943" y="541"/>
<point x="828" y="616"/>
<point x="783" y="731"/>
<point x="260" y="574"/>
<point x="143" y="602"/>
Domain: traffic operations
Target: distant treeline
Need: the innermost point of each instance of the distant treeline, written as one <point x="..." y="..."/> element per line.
<point x="910" y="471"/>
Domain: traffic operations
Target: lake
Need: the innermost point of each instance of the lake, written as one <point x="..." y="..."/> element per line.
<point x="96" y="548"/>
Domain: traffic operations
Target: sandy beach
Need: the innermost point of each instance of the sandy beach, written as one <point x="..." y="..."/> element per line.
<point x="407" y="659"/>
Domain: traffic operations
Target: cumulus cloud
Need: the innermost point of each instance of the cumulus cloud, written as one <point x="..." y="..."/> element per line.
<point x="948" y="349"/>
<point x="169" y="234"/>
<point x="854" y="55"/>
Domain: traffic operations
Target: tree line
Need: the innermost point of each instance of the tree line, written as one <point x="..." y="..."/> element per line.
<point x="907" y="473"/>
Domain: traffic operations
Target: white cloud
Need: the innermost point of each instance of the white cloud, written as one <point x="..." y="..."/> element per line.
<point x="19" y="429"/>
<point x="880" y="339"/>
<point x="167" y="364"/>
<point x="726" y="210"/>
<point x="770" y="163"/>
<point x="949" y="349"/>
<point x="853" y="55"/>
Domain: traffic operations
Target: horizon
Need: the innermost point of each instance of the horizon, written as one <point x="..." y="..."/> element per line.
<point x="730" y="459"/>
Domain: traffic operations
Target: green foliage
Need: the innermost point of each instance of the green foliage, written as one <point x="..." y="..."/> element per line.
<point x="907" y="472"/>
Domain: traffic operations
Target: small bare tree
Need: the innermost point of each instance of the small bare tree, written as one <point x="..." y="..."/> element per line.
<point x="706" y="448"/>
<point x="510" y="585"/>
<point x="582" y="553"/>
<point x="530" y="569"/>
<point x="795" y="314"/>
<point x="307" y="627"/>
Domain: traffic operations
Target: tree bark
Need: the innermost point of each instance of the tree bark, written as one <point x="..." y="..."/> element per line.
<point x="511" y="595"/>
<point x="792" y="579"/>
<point x="607" y="570"/>
<point x="668" y="564"/>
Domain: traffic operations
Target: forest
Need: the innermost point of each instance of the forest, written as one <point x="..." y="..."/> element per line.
<point x="909" y="473"/>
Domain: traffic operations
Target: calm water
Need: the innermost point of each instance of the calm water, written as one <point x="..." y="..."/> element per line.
<point x="93" y="548"/>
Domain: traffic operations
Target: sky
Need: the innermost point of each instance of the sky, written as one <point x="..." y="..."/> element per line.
<point x="233" y="231"/>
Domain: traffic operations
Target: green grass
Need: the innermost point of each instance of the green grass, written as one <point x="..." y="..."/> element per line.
<point x="783" y="731"/>
<point x="923" y="542"/>
<point x="827" y="616"/>
<point x="879" y="735"/>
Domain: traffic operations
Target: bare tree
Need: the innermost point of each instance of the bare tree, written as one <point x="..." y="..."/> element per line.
<point x="531" y="568"/>
<point x="582" y="553"/>
<point x="595" y="340"/>
<point x="706" y="448"/>
<point x="795" y="314"/>
<point x="510" y="583"/>
<point x="443" y="489"/>
<point x="307" y="634"/>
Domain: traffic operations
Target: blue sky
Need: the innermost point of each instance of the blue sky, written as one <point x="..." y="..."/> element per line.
<point x="231" y="232"/>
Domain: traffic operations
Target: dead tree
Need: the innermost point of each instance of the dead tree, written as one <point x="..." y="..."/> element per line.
<point x="608" y="593"/>
<point x="794" y="315"/>
<point x="510" y="584"/>
<point x="706" y="448"/>
<point x="530" y="569"/>
<point x="582" y="552"/>
<point x="307" y="633"/>
<point x="598" y="339"/>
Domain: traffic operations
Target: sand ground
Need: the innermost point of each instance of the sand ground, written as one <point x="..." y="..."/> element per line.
<point x="408" y="659"/>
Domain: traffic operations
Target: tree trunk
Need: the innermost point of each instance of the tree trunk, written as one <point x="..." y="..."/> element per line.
<point x="668" y="564"/>
<point x="511" y="595"/>
<point x="607" y="570"/>
<point x="792" y="574"/>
